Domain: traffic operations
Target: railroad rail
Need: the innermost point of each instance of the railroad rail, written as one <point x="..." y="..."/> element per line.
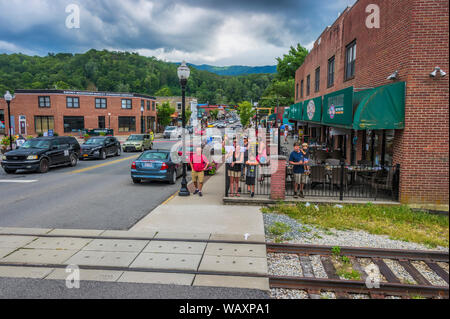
<point x="393" y="286"/>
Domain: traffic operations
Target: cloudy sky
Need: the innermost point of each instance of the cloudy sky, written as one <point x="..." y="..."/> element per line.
<point x="216" y="32"/>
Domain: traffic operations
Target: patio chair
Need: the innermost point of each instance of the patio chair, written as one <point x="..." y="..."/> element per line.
<point x="383" y="180"/>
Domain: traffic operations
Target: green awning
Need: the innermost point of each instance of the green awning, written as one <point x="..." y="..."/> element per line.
<point x="338" y="108"/>
<point x="382" y="108"/>
<point x="295" y="112"/>
<point x="286" y="113"/>
<point x="312" y="110"/>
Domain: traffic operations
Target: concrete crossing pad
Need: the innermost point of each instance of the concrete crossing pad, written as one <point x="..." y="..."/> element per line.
<point x="75" y="232"/>
<point x="87" y="274"/>
<point x="245" y="265"/>
<point x="102" y="258"/>
<point x="6" y="251"/>
<point x="167" y="261"/>
<point x="168" y="235"/>
<point x="175" y="247"/>
<point x="127" y="234"/>
<point x="59" y="243"/>
<point x="218" y="249"/>
<point x="232" y="282"/>
<point x="24" y="272"/>
<point x="7" y="241"/>
<point x="157" y="278"/>
<point x="116" y="245"/>
<point x="38" y="256"/>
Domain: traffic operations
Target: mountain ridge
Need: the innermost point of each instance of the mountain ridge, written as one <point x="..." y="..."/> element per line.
<point x="235" y="70"/>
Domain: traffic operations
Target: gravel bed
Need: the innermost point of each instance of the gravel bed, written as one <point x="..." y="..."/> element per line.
<point x="365" y="262"/>
<point x="400" y="272"/>
<point x="328" y="295"/>
<point x="429" y="274"/>
<point x="393" y="297"/>
<point x="284" y="265"/>
<point x="319" y="271"/>
<point x="443" y="265"/>
<point x="307" y="234"/>
<point x="359" y="296"/>
<point x="280" y="293"/>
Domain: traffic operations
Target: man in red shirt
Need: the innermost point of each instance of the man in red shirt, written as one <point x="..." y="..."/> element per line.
<point x="198" y="163"/>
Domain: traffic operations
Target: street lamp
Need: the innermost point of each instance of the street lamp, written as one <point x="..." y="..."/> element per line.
<point x="183" y="75"/>
<point x="8" y="98"/>
<point x="142" y="120"/>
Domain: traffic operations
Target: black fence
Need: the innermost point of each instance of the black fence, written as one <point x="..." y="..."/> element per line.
<point x="348" y="181"/>
<point x="262" y="182"/>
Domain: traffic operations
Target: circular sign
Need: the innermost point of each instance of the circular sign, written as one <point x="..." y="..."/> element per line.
<point x="332" y="111"/>
<point x="311" y="110"/>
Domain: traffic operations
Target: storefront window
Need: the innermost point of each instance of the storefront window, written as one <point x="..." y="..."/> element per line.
<point x="73" y="124"/>
<point x="374" y="147"/>
<point x="127" y="124"/>
<point x="2" y="122"/>
<point x="43" y="124"/>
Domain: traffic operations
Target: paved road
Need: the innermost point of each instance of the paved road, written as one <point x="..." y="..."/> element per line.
<point x="92" y="195"/>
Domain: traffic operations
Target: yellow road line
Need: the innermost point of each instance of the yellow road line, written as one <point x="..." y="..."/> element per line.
<point x="169" y="199"/>
<point x="102" y="165"/>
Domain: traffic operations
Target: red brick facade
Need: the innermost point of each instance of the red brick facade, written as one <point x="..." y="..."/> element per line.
<point x="26" y="103"/>
<point x="413" y="38"/>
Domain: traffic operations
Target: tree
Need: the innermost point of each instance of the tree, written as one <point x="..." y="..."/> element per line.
<point x="164" y="91"/>
<point x="165" y="112"/>
<point x="246" y="112"/>
<point x="214" y="114"/>
<point x="289" y="64"/>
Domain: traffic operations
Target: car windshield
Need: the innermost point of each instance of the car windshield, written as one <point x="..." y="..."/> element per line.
<point x="136" y="138"/>
<point x="170" y="128"/>
<point x="36" y="144"/>
<point x="94" y="141"/>
<point x="154" y="156"/>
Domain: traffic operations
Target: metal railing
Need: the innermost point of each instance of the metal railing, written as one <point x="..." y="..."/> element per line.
<point x="262" y="181"/>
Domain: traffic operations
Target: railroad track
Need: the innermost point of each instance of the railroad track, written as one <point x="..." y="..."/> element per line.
<point x="389" y="283"/>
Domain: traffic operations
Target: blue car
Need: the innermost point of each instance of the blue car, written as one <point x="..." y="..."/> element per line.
<point x="155" y="165"/>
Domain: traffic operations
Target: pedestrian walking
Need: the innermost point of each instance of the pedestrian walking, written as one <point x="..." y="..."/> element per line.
<point x="298" y="161"/>
<point x="198" y="163"/>
<point x="286" y="131"/>
<point x="235" y="170"/>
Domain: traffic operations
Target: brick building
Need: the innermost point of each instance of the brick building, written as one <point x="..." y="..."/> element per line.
<point x="354" y="57"/>
<point x="68" y="112"/>
<point x="176" y="103"/>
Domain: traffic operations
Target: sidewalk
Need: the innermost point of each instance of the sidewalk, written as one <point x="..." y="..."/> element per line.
<point x="205" y="214"/>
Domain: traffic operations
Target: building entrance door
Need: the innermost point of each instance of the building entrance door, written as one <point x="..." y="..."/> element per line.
<point x="22" y="125"/>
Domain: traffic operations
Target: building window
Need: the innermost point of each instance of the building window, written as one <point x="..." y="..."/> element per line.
<point x="72" y="102"/>
<point x="100" y="103"/>
<point x="127" y="104"/>
<point x="301" y="88"/>
<point x="148" y="105"/>
<point x="331" y="72"/>
<point x="43" y="124"/>
<point x="142" y="104"/>
<point x="101" y="122"/>
<point x="179" y="105"/>
<point x="317" y="83"/>
<point x="308" y="85"/>
<point x="73" y="124"/>
<point x="296" y="91"/>
<point x="350" y="58"/>
<point x="44" y="101"/>
<point x="153" y="105"/>
<point x="127" y="124"/>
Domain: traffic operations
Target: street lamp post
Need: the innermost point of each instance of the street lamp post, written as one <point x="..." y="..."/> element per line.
<point x="8" y="98"/>
<point x="183" y="75"/>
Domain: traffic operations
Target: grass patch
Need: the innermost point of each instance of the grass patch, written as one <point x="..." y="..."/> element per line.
<point x="278" y="229"/>
<point x="397" y="222"/>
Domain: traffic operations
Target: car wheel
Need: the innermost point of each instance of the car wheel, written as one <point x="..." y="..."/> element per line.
<point x="9" y="171"/>
<point x="73" y="160"/>
<point x="136" y="180"/>
<point x="43" y="166"/>
<point x="173" y="180"/>
<point x="103" y="155"/>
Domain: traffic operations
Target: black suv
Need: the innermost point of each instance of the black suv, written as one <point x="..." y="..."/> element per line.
<point x="39" y="154"/>
<point x="100" y="147"/>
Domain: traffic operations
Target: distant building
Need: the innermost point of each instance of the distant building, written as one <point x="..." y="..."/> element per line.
<point x="176" y="103"/>
<point x="68" y="112"/>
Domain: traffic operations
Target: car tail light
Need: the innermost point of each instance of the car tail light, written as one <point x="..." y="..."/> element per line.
<point x="133" y="166"/>
<point x="164" y="167"/>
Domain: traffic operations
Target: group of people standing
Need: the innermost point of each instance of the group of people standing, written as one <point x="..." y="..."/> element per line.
<point x="243" y="160"/>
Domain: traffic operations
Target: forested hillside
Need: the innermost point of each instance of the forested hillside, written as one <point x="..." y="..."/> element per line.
<point x="237" y="69"/>
<point x="124" y="72"/>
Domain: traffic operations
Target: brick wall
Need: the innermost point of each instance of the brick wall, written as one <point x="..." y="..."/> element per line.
<point x="27" y="104"/>
<point x="413" y="39"/>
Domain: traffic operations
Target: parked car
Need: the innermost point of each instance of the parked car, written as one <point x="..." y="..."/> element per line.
<point x="39" y="154"/>
<point x="100" y="147"/>
<point x="170" y="131"/>
<point x="155" y="165"/>
<point x="98" y="131"/>
<point x="138" y="142"/>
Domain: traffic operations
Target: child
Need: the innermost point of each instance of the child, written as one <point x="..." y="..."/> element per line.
<point x="250" y="180"/>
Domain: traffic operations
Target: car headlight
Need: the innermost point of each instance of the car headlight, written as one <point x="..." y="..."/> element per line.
<point x="32" y="157"/>
<point x="4" y="157"/>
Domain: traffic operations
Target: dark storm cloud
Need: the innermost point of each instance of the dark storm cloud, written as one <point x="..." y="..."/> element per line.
<point x="191" y="26"/>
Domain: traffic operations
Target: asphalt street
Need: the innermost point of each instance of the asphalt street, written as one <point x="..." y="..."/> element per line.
<point x="93" y="195"/>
